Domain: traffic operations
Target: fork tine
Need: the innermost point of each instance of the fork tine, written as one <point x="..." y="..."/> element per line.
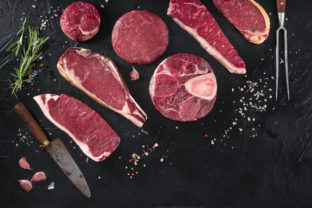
<point x="276" y="64"/>
<point x="286" y="63"/>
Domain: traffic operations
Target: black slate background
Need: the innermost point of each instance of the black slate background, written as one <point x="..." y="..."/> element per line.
<point x="271" y="170"/>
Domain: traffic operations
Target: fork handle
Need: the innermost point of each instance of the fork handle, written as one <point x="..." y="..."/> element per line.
<point x="281" y="4"/>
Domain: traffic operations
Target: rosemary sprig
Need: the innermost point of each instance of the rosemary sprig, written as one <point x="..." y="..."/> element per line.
<point x="28" y="55"/>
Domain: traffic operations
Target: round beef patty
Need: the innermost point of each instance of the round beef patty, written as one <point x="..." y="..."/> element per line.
<point x="80" y="21"/>
<point x="140" y="37"/>
<point x="183" y="87"/>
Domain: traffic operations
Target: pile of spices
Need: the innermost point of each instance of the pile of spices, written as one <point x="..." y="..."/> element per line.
<point x="23" y="137"/>
<point x="51" y="14"/>
<point x="139" y="158"/>
<point x="250" y="100"/>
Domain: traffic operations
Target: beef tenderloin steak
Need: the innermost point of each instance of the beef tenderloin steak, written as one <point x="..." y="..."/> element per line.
<point x="140" y="37"/>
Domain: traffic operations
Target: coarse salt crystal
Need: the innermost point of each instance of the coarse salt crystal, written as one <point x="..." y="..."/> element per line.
<point x="51" y="186"/>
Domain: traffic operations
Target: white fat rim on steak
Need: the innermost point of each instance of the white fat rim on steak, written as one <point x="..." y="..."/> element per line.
<point x="125" y="110"/>
<point x="45" y="110"/>
<point x="210" y="49"/>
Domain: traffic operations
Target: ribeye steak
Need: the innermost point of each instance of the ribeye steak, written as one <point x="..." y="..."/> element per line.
<point x="85" y="126"/>
<point x="98" y="77"/>
<point x="80" y="21"/>
<point x="248" y="17"/>
<point x="194" y="17"/>
<point x="183" y="87"/>
<point x="140" y="37"/>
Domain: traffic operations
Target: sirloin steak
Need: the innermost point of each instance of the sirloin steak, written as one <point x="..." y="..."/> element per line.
<point x="248" y="17"/>
<point x="140" y="37"/>
<point x="194" y="17"/>
<point x="80" y="21"/>
<point x="98" y="77"/>
<point x="183" y="87"/>
<point x="85" y="126"/>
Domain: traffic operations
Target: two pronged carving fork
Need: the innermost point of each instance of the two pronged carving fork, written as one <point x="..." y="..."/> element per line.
<point x="281" y="4"/>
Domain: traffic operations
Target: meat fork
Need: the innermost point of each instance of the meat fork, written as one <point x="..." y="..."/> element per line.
<point x="281" y="4"/>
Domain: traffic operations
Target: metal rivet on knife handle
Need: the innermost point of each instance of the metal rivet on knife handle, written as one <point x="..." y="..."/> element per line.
<point x="31" y="124"/>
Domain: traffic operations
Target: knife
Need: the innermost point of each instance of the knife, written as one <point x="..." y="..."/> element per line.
<point x="57" y="150"/>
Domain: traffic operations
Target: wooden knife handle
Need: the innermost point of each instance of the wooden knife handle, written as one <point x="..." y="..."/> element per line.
<point x="281" y="4"/>
<point x="31" y="124"/>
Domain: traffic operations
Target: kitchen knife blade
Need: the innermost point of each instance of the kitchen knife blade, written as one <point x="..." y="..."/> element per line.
<point x="57" y="150"/>
<point x="62" y="157"/>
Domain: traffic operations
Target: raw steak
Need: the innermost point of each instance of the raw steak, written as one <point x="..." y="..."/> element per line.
<point x="140" y="37"/>
<point x="98" y="77"/>
<point x="85" y="126"/>
<point x="183" y="87"/>
<point x="194" y="17"/>
<point x="80" y="21"/>
<point x="248" y="17"/>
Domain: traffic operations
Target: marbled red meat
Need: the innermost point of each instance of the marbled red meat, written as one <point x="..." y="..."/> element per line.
<point x="248" y="17"/>
<point x="140" y="37"/>
<point x="98" y="77"/>
<point x="80" y="21"/>
<point x="86" y="127"/>
<point x="194" y="17"/>
<point x="183" y="87"/>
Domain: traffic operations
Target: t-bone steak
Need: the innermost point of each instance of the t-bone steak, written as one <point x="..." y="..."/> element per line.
<point x="98" y="77"/>
<point x="183" y="87"/>
<point x="140" y="37"/>
<point x="248" y="17"/>
<point x="80" y="21"/>
<point x="85" y="126"/>
<point x="194" y="17"/>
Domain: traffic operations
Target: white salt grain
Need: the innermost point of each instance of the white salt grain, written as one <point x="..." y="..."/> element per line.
<point x="51" y="186"/>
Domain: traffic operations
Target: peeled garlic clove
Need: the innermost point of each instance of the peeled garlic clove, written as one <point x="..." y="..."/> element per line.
<point x="24" y="164"/>
<point x="39" y="176"/>
<point x="25" y="184"/>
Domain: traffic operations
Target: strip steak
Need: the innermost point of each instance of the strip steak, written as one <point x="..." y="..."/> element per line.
<point x="183" y="87"/>
<point x="98" y="77"/>
<point x="248" y="17"/>
<point x="194" y="17"/>
<point x="85" y="126"/>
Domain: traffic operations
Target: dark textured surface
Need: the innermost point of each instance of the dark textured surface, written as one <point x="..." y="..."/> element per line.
<point x="272" y="170"/>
